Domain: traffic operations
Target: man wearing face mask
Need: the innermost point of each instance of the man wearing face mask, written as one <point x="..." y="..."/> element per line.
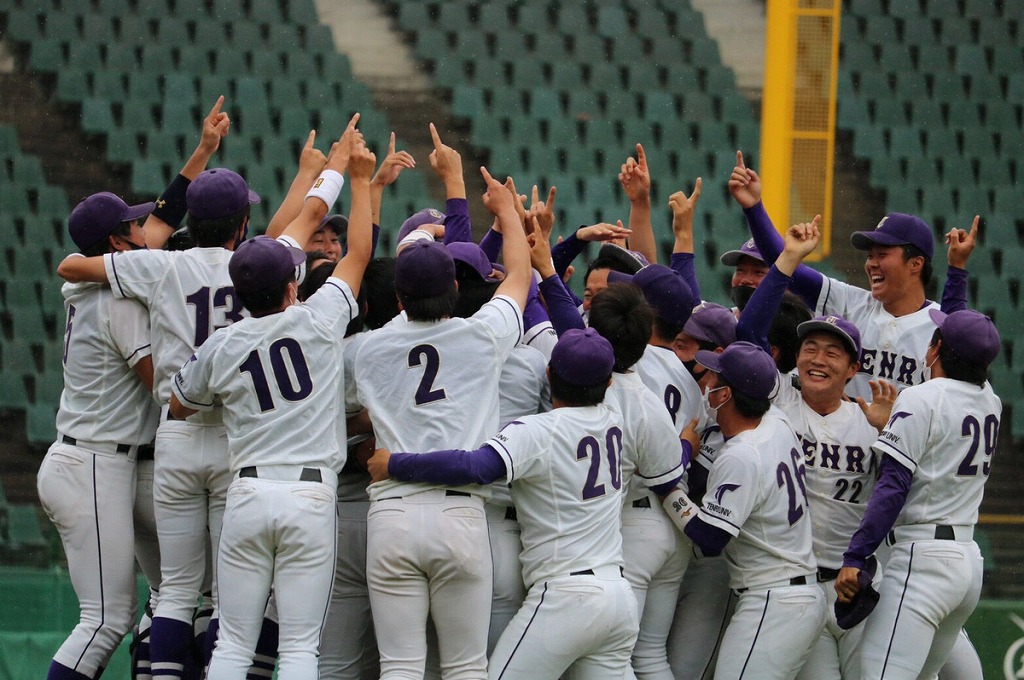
<point x="755" y="511"/>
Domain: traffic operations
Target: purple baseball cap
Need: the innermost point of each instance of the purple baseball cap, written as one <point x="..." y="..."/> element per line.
<point x="666" y="292"/>
<point x="218" y="193"/>
<point x="96" y="216"/>
<point x="628" y="261"/>
<point x="582" y="357"/>
<point x="263" y="262"/>
<point x="471" y="254"/>
<point x="970" y="334"/>
<point x="836" y="325"/>
<point x="424" y="269"/>
<point x="850" y="614"/>
<point x="416" y="220"/>
<point x="747" y="367"/>
<point x="897" y="229"/>
<point x="731" y="258"/>
<point x="710" y="322"/>
<point x="337" y="223"/>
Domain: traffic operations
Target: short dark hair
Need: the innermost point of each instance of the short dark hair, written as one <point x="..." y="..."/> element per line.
<point x="315" y="278"/>
<point x="265" y="300"/>
<point x="957" y="367"/>
<point x="474" y="291"/>
<point x="748" y="407"/>
<point x="216" y="232"/>
<point x="433" y="308"/>
<point x="379" y="285"/>
<point x="102" y="247"/>
<point x="782" y="334"/>
<point x="605" y="263"/>
<point x="574" y="395"/>
<point x="666" y="330"/>
<point x="910" y="252"/>
<point x="622" y="316"/>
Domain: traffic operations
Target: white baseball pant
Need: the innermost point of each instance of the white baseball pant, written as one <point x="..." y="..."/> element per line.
<point x="508" y="590"/>
<point x="703" y="610"/>
<point x="836" y="653"/>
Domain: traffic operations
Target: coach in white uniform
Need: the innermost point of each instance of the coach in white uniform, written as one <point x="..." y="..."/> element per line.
<point x="936" y="457"/>
<point x="756" y="511"/>
<point x="106" y="418"/>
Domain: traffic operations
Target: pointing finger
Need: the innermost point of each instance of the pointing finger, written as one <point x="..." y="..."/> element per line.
<point x="436" y="137"/>
<point x="697" y="188"/>
<point x="534" y="196"/>
<point x="352" y="123"/>
<point x="974" y="227"/>
<point x="550" y="204"/>
<point x="309" y="140"/>
<point x="216" y="107"/>
<point x="391" y="144"/>
<point x="641" y="157"/>
<point x="483" y="171"/>
<point x="739" y="160"/>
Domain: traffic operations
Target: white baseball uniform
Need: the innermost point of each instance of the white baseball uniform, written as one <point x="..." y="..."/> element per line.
<point x="756" y="494"/>
<point x="667" y="377"/>
<point x="944" y="431"/>
<point x="892" y="346"/>
<point x="87" y="481"/>
<point x="840" y="474"/>
<point x="579" y="613"/>
<point x="280" y="381"/>
<point x="431" y="386"/>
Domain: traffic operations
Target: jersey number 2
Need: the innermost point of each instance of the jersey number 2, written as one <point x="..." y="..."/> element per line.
<point x="426" y="356"/>
<point x="253" y="365"/>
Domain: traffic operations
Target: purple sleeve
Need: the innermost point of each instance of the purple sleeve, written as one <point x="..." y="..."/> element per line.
<point x="665" y="489"/>
<point x="684" y="265"/>
<point x="954" y="292"/>
<point x="687" y="453"/>
<point x="561" y="308"/>
<point x="756" y="318"/>
<point x="491" y="244"/>
<point x="564" y="252"/>
<point x="456" y="223"/>
<point x="710" y="539"/>
<point x="697" y="482"/>
<point x="534" y="312"/>
<point x="806" y="281"/>
<point x="451" y="467"/>
<point x="884" y="507"/>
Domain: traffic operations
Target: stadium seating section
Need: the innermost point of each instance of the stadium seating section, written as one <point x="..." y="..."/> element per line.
<point x="932" y="93"/>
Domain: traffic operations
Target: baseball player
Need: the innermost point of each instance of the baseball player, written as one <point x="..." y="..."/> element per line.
<point x="279" y="528"/>
<point x="564" y="471"/>
<point x="893" y="315"/>
<point x="106" y="419"/>
<point x="936" y="457"/>
<point x="427" y="383"/>
<point x="652" y="462"/>
<point x="755" y="510"/>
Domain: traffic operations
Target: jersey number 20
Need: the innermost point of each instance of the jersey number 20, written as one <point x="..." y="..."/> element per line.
<point x="284" y="353"/>
<point x="590" y="449"/>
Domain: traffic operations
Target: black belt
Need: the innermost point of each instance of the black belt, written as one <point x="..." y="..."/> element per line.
<point x="510" y="514"/>
<point x="795" y="581"/>
<point x="826" y="574"/>
<point x="307" y="474"/>
<point x="453" y="492"/>
<point x="943" y="532"/>
<point x="642" y="503"/>
<point x="143" y="451"/>
<point x="584" y="572"/>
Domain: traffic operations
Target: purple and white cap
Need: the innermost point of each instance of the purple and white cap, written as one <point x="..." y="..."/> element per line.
<point x="263" y="262"/>
<point x="713" y="323"/>
<point x="96" y="216"/>
<point x="582" y="357"/>
<point x="471" y="254"/>
<point x="418" y="219"/>
<point x="424" y="269"/>
<point x="731" y="258"/>
<point x="897" y="229"/>
<point x="836" y="325"/>
<point x="666" y="292"/>
<point x="218" y="193"/>
<point x="970" y="334"/>
<point x="747" y="367"/>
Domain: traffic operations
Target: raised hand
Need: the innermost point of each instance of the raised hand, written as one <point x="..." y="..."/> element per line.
<point x="393" y="164"/>
<point x="540" y="248"/>
<point x="603" y="232"/>
<point x="520" y="199"/>
<point x="961" y="244"/>
<point x="683" y="208"/>
<point x="543" y="212"/>
<point x="361" y="163"/>
<point x="883" y="394"/>
<point x="311" y="159"/>
<point x="215" y="127"/>
<point x="445" y="160"/>
<point x="744" y="184"/>
<point x="635" y="177"/>
<point x="801" y="239"/>
<point x="497" y="198"/>
<point x="341" y="150"/>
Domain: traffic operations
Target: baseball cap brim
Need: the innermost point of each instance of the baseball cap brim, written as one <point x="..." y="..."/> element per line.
<point x="134" y="212"/>
<point x="710" y="360"/>
<point x="253" y="197"/>
<point x="803" y="329"/>
<point x="863" y="240"/>
<point x="624" y="260"/>
<point x="937" y="316"/>
<point x="731" y="258"/>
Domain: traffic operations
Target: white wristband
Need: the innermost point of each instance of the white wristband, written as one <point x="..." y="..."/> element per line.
<point x="414" y="236"/>
<point x="680" y="509"/>
<point x="327" y="187"/>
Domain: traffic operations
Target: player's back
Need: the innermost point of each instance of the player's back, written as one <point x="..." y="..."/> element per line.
<point x="189" y="295"/>
<point x="666" y="376"/>
<point x="523" y="387"/>
<point x="103" y="399"/>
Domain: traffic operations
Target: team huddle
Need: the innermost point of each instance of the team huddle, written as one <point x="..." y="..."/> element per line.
<point x="342" y="464"/>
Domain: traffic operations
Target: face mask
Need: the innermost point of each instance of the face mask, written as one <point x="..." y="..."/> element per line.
<point x="926" y="374"/>
<point x="691" y="367"/>
<point x="712" y="411"/>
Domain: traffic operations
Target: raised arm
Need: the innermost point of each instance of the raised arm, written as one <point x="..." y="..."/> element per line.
<point x="311" y="163"/>
<point x="635" y="178"/>
<point x="76" y="268"/>
<point x="447" y="164"/>
<point x="360" y="225"/>
<point x="961" y="244"/>
<point x="171" y="206"/>
<point x="683" y="208"/>
<point x="386" y="174"/>
<point x="515" y="252"/>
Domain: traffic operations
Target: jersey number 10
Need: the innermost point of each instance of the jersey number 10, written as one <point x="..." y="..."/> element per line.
<point x="284" y="354"/>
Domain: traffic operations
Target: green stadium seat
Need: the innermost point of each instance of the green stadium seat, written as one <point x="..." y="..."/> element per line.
<point x="868" y="142"/>
<point x="942" y="8"/>
<point x="604" y="76"/>
<point x="970" y="59"/>
<point x="27" y="170"/>
<point x="957" y="171"/>
<point x="658" y="105"/>
<point x="853" y="111"/>
<point x="620" y="105"/>
<point x="973" y="200"/>
<point x="163" y="147"/>
<point x="467" y="100"/>
<point x="123" y="146"/>
<point x="978" y="142"/>
<point x="58" y="25"/>
<point x="527" y="73"/>
<point x="641" y="78"/>
<point x="612" y="22"/>
<point x="471" y="45"/>
<point x="24" y="25"/>
<point x="488" y="73"/>
<point x="505" y="100"/>
<point x="14" y="199"/>
<point x="522" y="130"/>
<point x="627" y="48"/>
<point x="909" y="85"/>
<point x="157" y="59"/>
<point x="889" y="113"/>
<point x="148" y="177"/>
<point x="265" y="11"/>
<point x="494" y="13"/>
<point x="295" y="123"/>
<point x="932" y="58"/>
<point x="213" y="86"/>
<point x="97" y="28"/>
<point x="634" y="131"/>
<point x="995" y="30"/>
<point x="49" y="386"/>
<point x="302" y="12"/>
<point x="13" y="391"/>
<point x="921" y="171"/>
<point x="46" y="56"/>
<point x="9" y="146"/>
<point x="172" y="31"/>
<point x="28" y="323"/>
<point x="545" y="103"/>
<point x="999" y="229"/>
<point x="885" y="172"/>
<point x="181" y="87"/>
<point x="579" y="160"/>
<point x="230" y="63"/>
<point x="455" y="16"/>
<point x="414" y="16"/>
<point x="583" y="103"/>
<point x="927" y="114"/>
<point x="1006" y="200"/>
<point x="985" y="87"/>
<point x="874" y="86"/>
<point x="681" y="78"/>
<point x="178" y="116"/>
<point x="245" y="35"/>
<point x="109" y="85"/>
<point x="227" y="10"/>
<point x="866" y="8"/>
<point x="880" y="29"/>
<point x="97" y="116"/>
<point x="122" y="57"/>
<point x="566" y="75"/>
<point x="704" y="50"/>
<point x="85" y="56"/>
<point x="588" y="48"/>
<point x="859" y="57"/>
<point x="549" y="47"/>
<point x="955" y="30"/>
<point x="72" y="86"/>
<point x="538" y="159"/>
<point x="1007" y="58"/>
<point x="600" y="133"/>
<point x="572" y="19"/>
<point x="995" y="172"/>
<point x="698" y="107"/>
<point x="963" y="114"/>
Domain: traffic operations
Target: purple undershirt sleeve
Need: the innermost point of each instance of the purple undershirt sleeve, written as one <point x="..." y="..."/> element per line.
<point x="564" y="252"/>
<point x="491" y="244"/>
<point x="884" y="507"/>
<point x="456" y="223"/>
<point x="662" y="490"/>
<point x="451" y="467"/>
<point x="684" y="264"/>
<point x="710" y="539"/>
<point x="534" y="312"/>
<point x="954" y="292"/>
<point x="806" y="281"/>
<point x="756" y="318"/>
<point x="561" y="309"/>
<point x="697" y="482"/>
